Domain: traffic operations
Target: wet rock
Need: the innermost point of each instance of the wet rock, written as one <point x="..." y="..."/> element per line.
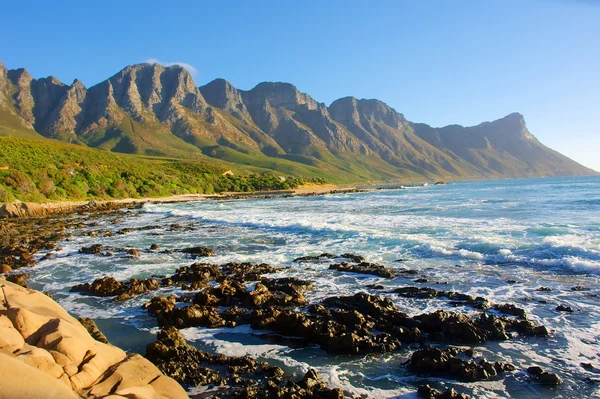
<point x="92" y="328"/>
<point x="457" y="298"/>
<point x="154" y="247"/>
<point x="376" y="286"/>
<point x="197" y="272"/>
<point x="544" y="377"/>
<point x="133" y="253"/>
<point x="579" y="288"/>
<point x="421" y="280"/>
<point x="108" y="286"/>
<point x="4" y="269"/>
<point x="427" y="392"/>
<point x="247" y="271"/>
<point x="318" y="258"/>
<point x="196" y="252"/>
<point x="544" y="289"/>
<point x="364" y="268"/>
<point x="445" y="363"/>
<point x="96" y="249"/>
<point x="563" y="308"/>
<point x="244" y="377"/>
<point x="354" y="258"/>
<point x="510" y="309"/>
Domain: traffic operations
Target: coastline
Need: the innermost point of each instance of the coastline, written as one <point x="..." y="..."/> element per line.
<point x="20" y="209"/>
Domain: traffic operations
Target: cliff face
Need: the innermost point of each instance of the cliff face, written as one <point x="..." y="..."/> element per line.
<point x="46" y="353"/>
<point x="156" y="110"/>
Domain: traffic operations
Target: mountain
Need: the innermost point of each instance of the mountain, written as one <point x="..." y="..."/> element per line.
<point x="153" y="110"/>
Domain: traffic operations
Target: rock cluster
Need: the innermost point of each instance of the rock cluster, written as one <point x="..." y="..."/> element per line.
<point x="108" y="286"/>
<point x="237" y="377"/>
<point x="446" y="363"/>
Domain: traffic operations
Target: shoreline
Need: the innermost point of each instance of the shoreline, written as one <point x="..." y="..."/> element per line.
<point x="20" y="209"/>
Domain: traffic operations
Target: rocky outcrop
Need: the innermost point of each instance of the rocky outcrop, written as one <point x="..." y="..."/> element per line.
<point x="237" y="377"/>
<point x="47" y="353"/>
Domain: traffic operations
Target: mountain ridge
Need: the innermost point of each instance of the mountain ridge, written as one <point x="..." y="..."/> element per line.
<point x="154" y="110"/>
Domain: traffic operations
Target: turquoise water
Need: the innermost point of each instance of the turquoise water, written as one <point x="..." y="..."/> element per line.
<point x="498" y="239"/>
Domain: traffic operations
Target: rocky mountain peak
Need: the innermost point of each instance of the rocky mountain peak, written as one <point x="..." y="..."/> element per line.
<point x="222" y="94"/>
<point x="279" y="94"/>
<point x="352" y="109"/>
<point x="19" y="77"/>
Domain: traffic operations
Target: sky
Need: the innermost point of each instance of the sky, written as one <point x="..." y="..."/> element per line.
<point x="438" y="62"/>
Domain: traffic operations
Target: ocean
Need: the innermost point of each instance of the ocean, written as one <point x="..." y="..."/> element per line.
<point x="501" y="239"/>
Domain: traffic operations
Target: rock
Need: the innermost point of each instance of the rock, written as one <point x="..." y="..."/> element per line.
<point x="563" y="308"/>
<point x="133" y="253"/>
<point x="244" y="376"/>
<point x="96" y="249"/>
<point x="427" y="392"/>
<point x="4" y="269"/>
<point x="66" y="362"/>
<point x="579" y="288"/>
<point x="318" y="258"/>
<point x="108" y="286"/>
<point x="510" y="309"/>
<point x="154" y="247"/>
<point x="544" y="377"/>
<point x="432" y="361"/>
<point x="544" y="289"/>
<point x="19" y="279"/>
<point x="92" y="328"/>
<point x="364" y="268"/>
<point x="199" y="251"/>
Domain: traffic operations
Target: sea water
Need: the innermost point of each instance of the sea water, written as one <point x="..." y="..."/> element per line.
<point x="498" y="239"/>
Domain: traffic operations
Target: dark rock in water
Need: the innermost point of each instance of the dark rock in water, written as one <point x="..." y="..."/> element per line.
<point x="92" y="328"/>
<point x="444" y="363"/>
<point x="354" y="258"/>
<point x="544" y="377"/>
<point x="154" y="247"/>
<point x="196" y="273"/>
<point x="410" y="272"/>
<point x="108" y="286"/>
<point x="323" y="256"/>
<point x="563" y="308"/>
<point x="96" y="249"/>
<point x="133" y="252"/>
<point x="457" y="298"/>
<point x="510" y="309"/>
<point x="587" y="366"/>
<point x="544" y="289"/>
<point x="105" y="286"/>
<point x="376" y="286"/>
<point x="247" y="271"/>
<point x="364" y="268"/>
<point x="240" y="377"/>
<point x="579" y="288"/>
<point x="401" y="260"/>
<point x="421" y="280"/>
<point x="427" y="392"/>
<point x="199" y="251"/>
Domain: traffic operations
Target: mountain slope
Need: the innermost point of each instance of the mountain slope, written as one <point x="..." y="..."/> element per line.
<point x="153" y="110"/>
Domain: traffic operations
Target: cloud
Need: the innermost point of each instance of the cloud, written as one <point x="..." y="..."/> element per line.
<point x="185" y="65"/>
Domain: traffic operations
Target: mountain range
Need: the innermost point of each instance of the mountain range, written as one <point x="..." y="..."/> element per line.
<point x="152" y="110"/>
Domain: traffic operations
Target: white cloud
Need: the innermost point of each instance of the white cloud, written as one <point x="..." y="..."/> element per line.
<point x="185" y="65"/>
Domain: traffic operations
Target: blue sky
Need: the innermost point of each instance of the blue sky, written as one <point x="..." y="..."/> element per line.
<point x="438" y="62"/>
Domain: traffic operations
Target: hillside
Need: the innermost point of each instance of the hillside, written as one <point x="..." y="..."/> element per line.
<point x="151" y="110"/>
<point x="42" y="170"/>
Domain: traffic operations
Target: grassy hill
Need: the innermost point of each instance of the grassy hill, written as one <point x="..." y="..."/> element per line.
<point x="40" y="170"/>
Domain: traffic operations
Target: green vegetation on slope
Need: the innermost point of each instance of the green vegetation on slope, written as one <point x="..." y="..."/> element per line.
<point x="42" y="170"/>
